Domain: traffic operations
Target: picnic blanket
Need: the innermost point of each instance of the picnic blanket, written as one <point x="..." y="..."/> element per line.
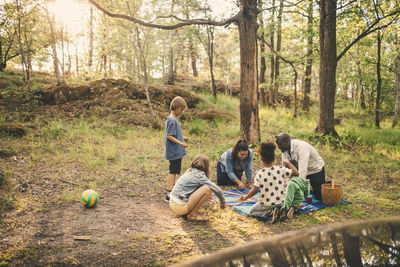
<point x="232" y="201"/>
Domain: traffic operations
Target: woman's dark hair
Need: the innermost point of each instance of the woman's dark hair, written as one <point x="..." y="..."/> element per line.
<point x="201" y="163"/>
<point x="266" y="151"/>
<point x="240" y="145"/>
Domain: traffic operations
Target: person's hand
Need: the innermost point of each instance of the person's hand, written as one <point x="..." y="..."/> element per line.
<point x="242" y="198"/>
<point x="223" y="206"/>
<point x="249" y="184"/>
<point x="184" y="144"/>
<point x="241" y="185"/>
<point x="185" y="139"/>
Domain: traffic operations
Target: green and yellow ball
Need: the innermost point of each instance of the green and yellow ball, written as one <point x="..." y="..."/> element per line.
<point x="89" y="198"/>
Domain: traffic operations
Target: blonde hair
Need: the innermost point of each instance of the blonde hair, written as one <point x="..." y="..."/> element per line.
<point x="178" y="102"/>
<point x="201" y="163"/>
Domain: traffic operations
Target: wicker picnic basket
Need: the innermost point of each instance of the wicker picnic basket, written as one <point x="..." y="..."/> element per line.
<point x="331" y="193"/>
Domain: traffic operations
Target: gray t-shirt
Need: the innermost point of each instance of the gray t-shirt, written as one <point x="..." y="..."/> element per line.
<point x="173" y="150"/>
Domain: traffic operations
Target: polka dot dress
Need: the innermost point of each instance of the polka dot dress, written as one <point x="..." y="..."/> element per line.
<point x="271" y="181"/>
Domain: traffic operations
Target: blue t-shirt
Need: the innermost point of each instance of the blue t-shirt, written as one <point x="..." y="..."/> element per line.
<point x="173" y="128"/>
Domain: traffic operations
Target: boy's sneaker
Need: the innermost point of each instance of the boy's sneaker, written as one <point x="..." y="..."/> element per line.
<point x="290" y="213"/>
<point x="275" y="215"/>
<point x="166" y="199"/>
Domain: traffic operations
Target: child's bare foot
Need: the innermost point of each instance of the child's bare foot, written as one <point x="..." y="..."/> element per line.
<point x="197" y="217"/>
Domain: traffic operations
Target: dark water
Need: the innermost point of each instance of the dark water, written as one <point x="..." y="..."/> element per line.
<point x="365" y="243"/>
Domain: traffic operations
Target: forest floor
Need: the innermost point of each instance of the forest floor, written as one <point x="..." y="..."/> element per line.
<point x="103" y="141"/>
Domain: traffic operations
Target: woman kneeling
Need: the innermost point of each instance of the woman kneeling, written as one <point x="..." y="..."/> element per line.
<point x="193" y="189"/>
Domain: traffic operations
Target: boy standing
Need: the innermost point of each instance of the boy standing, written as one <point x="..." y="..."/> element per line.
<point x="175" y="142"/>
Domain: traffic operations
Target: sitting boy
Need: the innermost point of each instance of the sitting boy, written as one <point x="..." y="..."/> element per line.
<point x="297" y="189"/>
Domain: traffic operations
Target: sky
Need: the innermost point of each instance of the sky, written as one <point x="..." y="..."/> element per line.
<point x="75" y="14"/>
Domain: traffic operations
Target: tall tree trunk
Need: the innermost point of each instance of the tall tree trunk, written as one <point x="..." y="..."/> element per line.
<point x="62" y="53"/>
<point x="210" y="53"/>
<point x="309" y="61"/>
<point x="2" y="61"/>
<point x="91" y="34"/>
<point x="69" y="61"/>
<point x="396" y="105"/>
<point x="51" y="22"/>
<point x="247" y="24"/>
<point x="272" y="71"/>
<point x="77" y="60"/>
<point x="192" y="50"/>
<point x="379" y="79"/>
<point x="24" y="63"/>
<point x="193" y="57"/>
<point x="263" y="67"/>
<point x="295" y="92"/>
<point x="278" y="50"/>
<point x="327" y="70"/>
<point x="143" y="62"/>
<point x="171" y="75"/>
<point x="361" y="95"/>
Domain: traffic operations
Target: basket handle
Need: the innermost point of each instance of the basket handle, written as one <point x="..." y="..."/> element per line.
<point x="332" y="182"/>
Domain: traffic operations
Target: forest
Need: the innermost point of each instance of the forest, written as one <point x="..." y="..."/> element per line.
<point x="85" y="88"/>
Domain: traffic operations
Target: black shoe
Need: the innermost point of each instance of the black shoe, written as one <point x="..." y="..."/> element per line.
<point x="166" y="199"/>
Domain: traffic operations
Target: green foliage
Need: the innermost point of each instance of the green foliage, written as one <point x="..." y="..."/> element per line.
<point x="221" y="102"/>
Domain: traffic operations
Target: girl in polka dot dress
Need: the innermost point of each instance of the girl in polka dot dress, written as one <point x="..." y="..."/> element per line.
<point x="270" y="180"/>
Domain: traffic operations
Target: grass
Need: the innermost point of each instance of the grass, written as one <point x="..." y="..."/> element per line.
<point x="104" y="154"/>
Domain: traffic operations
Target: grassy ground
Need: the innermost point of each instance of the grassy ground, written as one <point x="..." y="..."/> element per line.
<point x="47" y="169"/>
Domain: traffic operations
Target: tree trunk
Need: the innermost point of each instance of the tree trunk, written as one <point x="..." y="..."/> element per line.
<point x="272" y="72"/>
<point x="247" y="24"/>
<point x="91" y="34"/>
<point x="143" y="62"/>
<point x="51" y="20"/>
<point x="77" y="60"/>
<point x="327" y="70"/>
<point x="309" y="61"/>
<point x="396" y="105"/>
<point x="263" y="67"/>
<point x="210" y="53"/>
<point x="379" y="78"/>
<point x="295" y="93"/>
<point x="193" y="57"/>
<point x="361" y="96"/>
<point x="62" y="53"/>
<point x="278" y="50"/>
<point x="171" y="76"/>
<point x="2" y="61"/>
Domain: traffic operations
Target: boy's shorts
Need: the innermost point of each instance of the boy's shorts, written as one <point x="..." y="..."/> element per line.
<point x="175" y="166"/>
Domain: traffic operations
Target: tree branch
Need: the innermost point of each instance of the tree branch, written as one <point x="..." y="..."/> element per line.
<point x="370" y="29"/>
<point x="166" y="27"/>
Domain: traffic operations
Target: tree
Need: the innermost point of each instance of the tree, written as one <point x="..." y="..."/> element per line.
<point x="263" y="67"/>
<point x="278" y="50"/>
<point x="327" y="69"/>
<point x="246" y="20"/>
<point x="328" y="53"/>
<point x="309" y="58"/>
<point x="51" y="21"/>
<point x="8" y="49"/>
<point x="379" y="79"/>
<point x="208" y="44"/>
<point x="396" y="107"/>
